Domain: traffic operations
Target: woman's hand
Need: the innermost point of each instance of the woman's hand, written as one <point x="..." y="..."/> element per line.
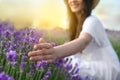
<point x="43" y="51"/>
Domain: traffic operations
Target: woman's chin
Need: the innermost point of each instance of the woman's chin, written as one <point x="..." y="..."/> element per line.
<point x="75" y="10"/>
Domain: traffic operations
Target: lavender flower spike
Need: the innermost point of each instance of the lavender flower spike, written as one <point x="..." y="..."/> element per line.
<point x="47" y="75"/>
<point x="12" y="56"/>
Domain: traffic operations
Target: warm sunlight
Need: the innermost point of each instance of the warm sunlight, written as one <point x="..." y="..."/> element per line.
<point x="35" y="13"/>
<point x="50" y="14"/>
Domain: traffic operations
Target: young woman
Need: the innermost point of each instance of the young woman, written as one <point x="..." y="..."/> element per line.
<point x="89" y="45"/>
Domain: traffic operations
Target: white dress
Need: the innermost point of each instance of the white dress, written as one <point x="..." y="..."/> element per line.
<point x="98" y="60"/>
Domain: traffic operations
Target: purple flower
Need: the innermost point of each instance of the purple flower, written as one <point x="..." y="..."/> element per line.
<point x="32" y="65"/>
<point x="32" y="68"/>
<point x="31" y="39"/>
<point x="68" y="67"/>
<point x="76" y="71"/>
<point x="24" y="58"/>
<point x="60" y="63"/>
<point x="41" y="65"/>
<point x="14" y="46"/>
<point x="77" y="77"/>
<point x="47" y="75"/>
<point x="23" y="66"/>
<point x="2" y="75"/>
<point x="32" y="72"/>
<point x="5" y="77"/>
<point x="12" y="57"/>
<point x="7" y="33"/>
<point x="8" y="46"/>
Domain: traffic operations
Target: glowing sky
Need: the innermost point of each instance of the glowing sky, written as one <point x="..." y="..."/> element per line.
<point x="33" y="12"/>
<point x="41" y="13"/>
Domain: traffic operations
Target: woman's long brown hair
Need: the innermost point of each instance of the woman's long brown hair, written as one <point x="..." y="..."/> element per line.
<point x="74" y="29"/>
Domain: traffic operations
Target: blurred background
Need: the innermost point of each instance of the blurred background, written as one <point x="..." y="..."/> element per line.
<point x="50" y="17"/>
<point x="52" y="13"/>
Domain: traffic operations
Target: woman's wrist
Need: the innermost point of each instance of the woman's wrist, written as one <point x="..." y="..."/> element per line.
<point x="58" y="53"/>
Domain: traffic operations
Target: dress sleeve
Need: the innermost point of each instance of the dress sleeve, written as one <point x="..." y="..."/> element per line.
<point x="93" y="27"/>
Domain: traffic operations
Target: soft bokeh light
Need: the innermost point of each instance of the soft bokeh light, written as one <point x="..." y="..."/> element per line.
<point x="50" y="14"/>
<point x="35" y="13"/>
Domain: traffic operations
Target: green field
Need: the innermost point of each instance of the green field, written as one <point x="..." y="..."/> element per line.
<point x="116" y="46"/>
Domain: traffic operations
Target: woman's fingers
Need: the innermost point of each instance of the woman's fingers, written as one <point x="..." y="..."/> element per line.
<point x="41" y="52"/>
<point x="48" y="61"/>
<point x="35" y="53"/>
<point x="41" y="40"/>
<point x="41" y="57"/>
<point x="42" y="45"/>
<point x="35" y="58"/>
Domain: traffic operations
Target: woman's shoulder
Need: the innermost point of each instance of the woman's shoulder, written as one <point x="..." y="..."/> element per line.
<point x="92" y="22"/>
<point x="92" y="19"/>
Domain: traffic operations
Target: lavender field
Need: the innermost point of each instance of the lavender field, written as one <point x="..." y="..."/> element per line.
<point x="15" y="64"/>
<point x="14" y="61"/>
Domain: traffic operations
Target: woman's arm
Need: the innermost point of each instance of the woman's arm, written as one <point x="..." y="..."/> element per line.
<point x="74" y="46"/>
<point x="45" y="51"/>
